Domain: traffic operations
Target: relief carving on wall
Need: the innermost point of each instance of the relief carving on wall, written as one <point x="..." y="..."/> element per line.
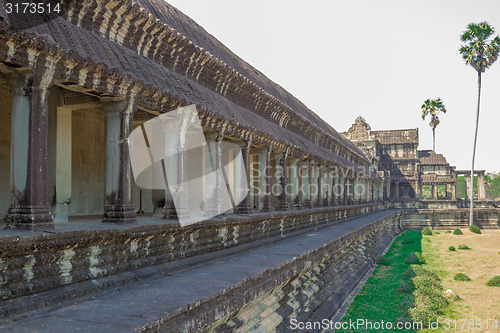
<point x="360" y="130"/>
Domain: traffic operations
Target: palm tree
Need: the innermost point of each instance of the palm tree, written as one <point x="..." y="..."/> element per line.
<point x="480" y="51"/>
<point x="432" y="107"/>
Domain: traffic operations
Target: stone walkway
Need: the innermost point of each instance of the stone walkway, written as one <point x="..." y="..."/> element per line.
<point x="126" y="308"/>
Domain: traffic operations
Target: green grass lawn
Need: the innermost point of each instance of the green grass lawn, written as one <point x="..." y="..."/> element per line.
<point x="378" y="300"/>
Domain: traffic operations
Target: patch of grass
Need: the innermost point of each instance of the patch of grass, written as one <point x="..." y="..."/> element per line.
<point x="452" y="248"/>
<point x="437" y="233"/>
<point x="475" y="229"/>
<point x="448" y="232"/>
<point x="494" y="281"/>
<point x="427" y="232"/>
<point x="408" y="241"/>
<point x="457" y="232"/>
<point x="408" y="274"/>
<point x="415" y="258"/>
<point x="461" y="277"/>
<point x="464" y="247"/>
<point x="381" y="260"/>
<point x="379" y="299"/>
<point x="406" y="287"/>
<point x="429" y="299"/>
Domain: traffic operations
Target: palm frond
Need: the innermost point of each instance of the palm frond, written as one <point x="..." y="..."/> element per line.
<point x="479" y="50"/>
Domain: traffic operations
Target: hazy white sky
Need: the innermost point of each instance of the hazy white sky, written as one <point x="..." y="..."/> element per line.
<point x="378" y="59"/>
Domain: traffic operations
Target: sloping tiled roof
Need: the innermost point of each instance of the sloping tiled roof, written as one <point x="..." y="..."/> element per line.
<point x="429" y="157"/>
<point x="397" y="136"/>
<point x="200" y="37"/>
<point x="152" y="67"/>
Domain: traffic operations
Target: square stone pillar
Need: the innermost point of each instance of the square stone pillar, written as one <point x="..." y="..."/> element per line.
<point x="245" y="206"/>
<point x="434" y="191"/>
<point x="267" y="176"/>
<point x="119" y="206"/>
<point x="300" y="183"/>
<point x="29" y="208"/>
<point x="307" y="177"/>
<point x="323" y="202"/>
<point x="282" y="176"/>
<point x="63" y="164"/>
<point x="214" y="202"/>
<point x="454" y="191"/>
<point x="261" y="177"/>
<point x="481" y="189"/>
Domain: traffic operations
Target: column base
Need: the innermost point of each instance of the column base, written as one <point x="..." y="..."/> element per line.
<point x="120" y="214"/>
<point x="267" y="208"/>
<point x="29" y="218"/>
<point x="307" y="204"/>
<point x="282" y="207"/>
<point x="244" y="210"/>
<point x="169" y="212"/>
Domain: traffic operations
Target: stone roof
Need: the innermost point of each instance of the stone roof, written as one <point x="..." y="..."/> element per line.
<point x="429" y="157"/>
<point x="168" y="56"/>
<point x="397" y="136"/>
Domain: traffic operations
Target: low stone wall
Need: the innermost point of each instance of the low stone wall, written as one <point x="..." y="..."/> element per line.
<point x="441" y="204"/>
<point x="33" y="264"/>
<point x="309" y="288"/>
<point x="417" y="219"/>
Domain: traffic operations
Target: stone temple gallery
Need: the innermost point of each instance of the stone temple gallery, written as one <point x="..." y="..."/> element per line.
<point x="292" y="213"/>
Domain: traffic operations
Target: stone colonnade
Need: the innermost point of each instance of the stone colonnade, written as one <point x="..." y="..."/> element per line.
<point x="277" y="180"/>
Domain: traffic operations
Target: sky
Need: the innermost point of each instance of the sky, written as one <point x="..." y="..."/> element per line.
<point x="379" y="59"/>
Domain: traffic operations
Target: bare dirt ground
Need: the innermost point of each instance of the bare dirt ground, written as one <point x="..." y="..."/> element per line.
<point x="480" y="263"/>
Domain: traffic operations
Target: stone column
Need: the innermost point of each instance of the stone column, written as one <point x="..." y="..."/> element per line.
<point x="261" y="162"/>
<point x="245" y="207"/>
<point x="396" y="195"/>
<point x="347" y="190"/>
<point x="29" y="208"/>
<point x="118" y="206"/>
<point x="63" y="164"/>
<point x="342" y="192"/>
<point x="467" y="186"/>
<point x="267" y="175"/>
<point x="481" y="189"/>
<point x="434" y="191"/>
<point x="334" y="192"/>
<point x="300" y="183"/>
<point x="282" y="175"/>
<point x="319" y="180"/>
<point x="307" y="203"/>
<point x="214" y="204"/>
<point x="454" y="191"/>
<point x="169" y="211"/>
<point x="331" y="184"/>
<point x="314" y="184"/>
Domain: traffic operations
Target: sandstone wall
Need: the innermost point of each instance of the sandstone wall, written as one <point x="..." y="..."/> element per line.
<point x="33" y="264"/>
<point x="88" y="162"/>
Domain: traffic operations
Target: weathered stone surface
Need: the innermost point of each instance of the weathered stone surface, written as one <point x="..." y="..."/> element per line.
<point x="34" y="264"/>
<point x="324" y="264"/>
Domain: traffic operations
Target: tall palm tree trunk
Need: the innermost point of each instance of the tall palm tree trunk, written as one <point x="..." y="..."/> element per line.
<point x="471" y="217"/>
<point x="434" y="139"/>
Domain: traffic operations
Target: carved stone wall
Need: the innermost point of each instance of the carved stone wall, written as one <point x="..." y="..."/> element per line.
<point x="88" y="162"/>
